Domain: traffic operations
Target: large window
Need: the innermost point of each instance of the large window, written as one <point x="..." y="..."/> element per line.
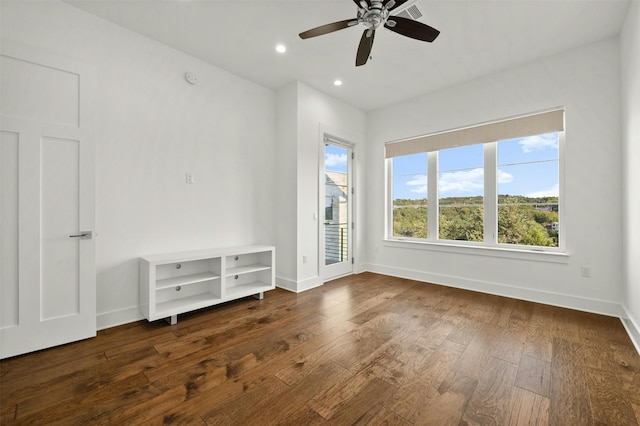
<point x="498" y="191"/>
<point x="461" y="193"/>
<point x="528" y="187"/>
<point x="409" y="177"/>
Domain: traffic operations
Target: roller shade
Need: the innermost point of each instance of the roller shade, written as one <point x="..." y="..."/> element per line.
<point x="529" y="125"/>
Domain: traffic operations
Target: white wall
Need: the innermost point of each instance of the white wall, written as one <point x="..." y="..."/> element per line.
<point x="630" y="59"/>
<point x="287" y="187"/>
<point x="152" y="128"/>
<point x="586" y="82"/>
<point x="317" y="113"/>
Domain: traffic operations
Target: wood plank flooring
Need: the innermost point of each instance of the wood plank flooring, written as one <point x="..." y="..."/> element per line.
<point x="365" y="349"/>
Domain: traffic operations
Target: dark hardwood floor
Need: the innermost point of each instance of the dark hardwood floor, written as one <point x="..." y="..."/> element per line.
<point x="366" y="349"/>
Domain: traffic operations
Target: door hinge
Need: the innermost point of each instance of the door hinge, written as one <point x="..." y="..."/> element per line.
<point x="353" y="261"/>
<point x="353" y="225"/>
<point x="353" y="190"/>
<point x="353" y="155"/>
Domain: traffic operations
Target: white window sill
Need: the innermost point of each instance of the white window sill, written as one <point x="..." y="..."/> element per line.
<point x="481" y="250"/>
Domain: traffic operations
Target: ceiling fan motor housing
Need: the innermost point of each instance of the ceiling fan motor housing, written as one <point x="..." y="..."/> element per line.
<point x="375" y="16"/>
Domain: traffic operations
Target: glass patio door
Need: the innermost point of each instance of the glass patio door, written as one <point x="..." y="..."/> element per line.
<point x="338" y="223"/>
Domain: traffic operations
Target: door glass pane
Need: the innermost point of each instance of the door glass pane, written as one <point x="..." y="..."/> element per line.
<point x="336" y="216"/>
<point x="528" y="182"/>
<point x="461" y="193"/>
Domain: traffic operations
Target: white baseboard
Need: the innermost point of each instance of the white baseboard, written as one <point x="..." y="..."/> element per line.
<point x="633" y="330"/>
<point x="119" y="317"/>
<point x="298" y="286"/>
<point x="309" y="283"/>
<point x="360" y="268"/>
<point x="286" y="284"/>
<point x="548" y="298"/>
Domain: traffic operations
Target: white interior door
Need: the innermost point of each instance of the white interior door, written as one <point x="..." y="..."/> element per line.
<point x="47" y="253"/>
<point x="337" y="199"/>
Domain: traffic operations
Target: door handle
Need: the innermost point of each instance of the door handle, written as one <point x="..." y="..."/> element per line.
<point x="84" y="235"/>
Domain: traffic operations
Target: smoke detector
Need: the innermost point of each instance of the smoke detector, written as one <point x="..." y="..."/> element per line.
<point x="191" y="78"/>
<point x="410" y="10"/>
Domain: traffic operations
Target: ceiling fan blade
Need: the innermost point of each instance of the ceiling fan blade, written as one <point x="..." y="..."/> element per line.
<point x="328" y="28"/>
<point x="364" y="48"/>
<point x="394" y="4"/>
<point x="411" y="28"/>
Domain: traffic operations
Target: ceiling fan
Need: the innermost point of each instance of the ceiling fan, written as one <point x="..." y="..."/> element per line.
<point x="372" y="14"/>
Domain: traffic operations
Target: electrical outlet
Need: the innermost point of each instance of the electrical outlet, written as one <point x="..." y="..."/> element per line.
<point x="189" y="178"/>
<point x="304" y="258"/>
<point x="585" y="271"/>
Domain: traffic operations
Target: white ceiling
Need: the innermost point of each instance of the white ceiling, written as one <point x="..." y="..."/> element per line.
<point x="477" y="37"/>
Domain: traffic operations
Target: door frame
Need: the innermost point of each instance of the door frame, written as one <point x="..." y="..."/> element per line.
<point x="325" y="272"/>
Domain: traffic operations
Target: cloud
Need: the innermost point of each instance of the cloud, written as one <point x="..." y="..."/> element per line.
<point x="539" y="142"/>
<point x="419" y="185"/>
<point x="504" y="177"/>
<point x="554" y="191"/>
<point x="333" y="160"/>
<point x="464" y="181"/>
<point x="460" y="182"/>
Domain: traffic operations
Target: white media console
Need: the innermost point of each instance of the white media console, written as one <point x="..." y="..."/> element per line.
<point x="175" y="283"/>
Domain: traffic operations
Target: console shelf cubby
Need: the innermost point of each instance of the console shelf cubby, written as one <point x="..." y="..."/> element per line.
<point x="175" y="283"/>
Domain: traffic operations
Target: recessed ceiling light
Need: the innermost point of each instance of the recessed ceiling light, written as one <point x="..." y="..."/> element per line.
<point x="281" y="48"/>
<point x="337" y="83"/>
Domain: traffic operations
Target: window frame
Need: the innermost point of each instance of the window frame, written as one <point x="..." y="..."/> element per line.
<point x="490" y="245"/>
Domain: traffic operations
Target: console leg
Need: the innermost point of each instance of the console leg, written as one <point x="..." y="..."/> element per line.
<point x="258" y="296"/>
<point x="172" y="320"/>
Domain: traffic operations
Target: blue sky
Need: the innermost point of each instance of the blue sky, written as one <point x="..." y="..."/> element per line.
<point x="335" y="158"/>
<point x="526" y="166"/>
